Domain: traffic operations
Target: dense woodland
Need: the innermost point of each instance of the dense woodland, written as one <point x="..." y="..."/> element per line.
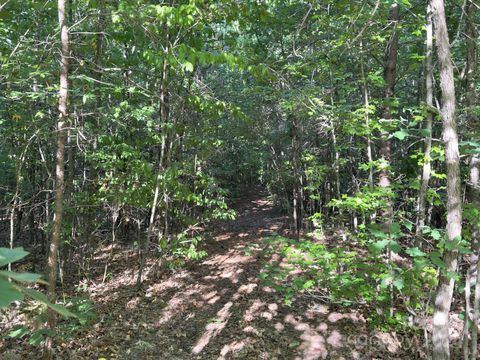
<point x="325" y="152"/>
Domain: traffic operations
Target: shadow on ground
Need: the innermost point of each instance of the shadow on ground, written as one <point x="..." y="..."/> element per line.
<point x="219" y="310"/>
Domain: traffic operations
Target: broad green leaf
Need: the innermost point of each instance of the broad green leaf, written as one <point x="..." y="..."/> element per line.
<point x="421" y="263"/>
<point x="37" y="337"/>
<point x="395" y="227"/>
<point x="415" y="252"/>
<point x="18" y="332"/>
<point x="394" y="246"/>
<point x="452" y="275"/>
<point x="43" y="299"/>
<point x="308" y="284"/>
<point x="408" y="225"/>
<point x="436" y="259"/>
<point x="386" y="281"/>
<point x="379" y="245"/>
<point x="24" y="277"/>
<point x="401" y="134"/>
<point x="8" y="293"/>
<point x="378" y="233"/>
<point x="8" y="256"/>
<point x="398" y="283"/>
<point x="188" y="66"/>
<point x="436" y="235"/>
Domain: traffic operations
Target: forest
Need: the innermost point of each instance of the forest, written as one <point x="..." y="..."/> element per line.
<point x="239" y="179"/>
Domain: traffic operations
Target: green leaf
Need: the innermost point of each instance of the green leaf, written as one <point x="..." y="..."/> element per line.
<point x="308" y="284"/>
<point x="421" y="263"/>
<point x="263" y="275"/>
<point x="379" y="245"/>
<point x="452" y="275"/>
<point x="37" y="295"/>
<point x="18" y="332"/>
<point x="436" y="235"/>
<point x="188" y="66"/>
<point x="415" y="252"/>
<point x="24" y="277"/>
<point x="437" y="259"/>
<point x="401" y="134"/>
<point x="378" y="233"/>
<point x="399" y="284"/>
<point x="37" y="337"/>
<point x="408" y="225"/>
<point x="395" y="247"/>
<point x="395" y="228"/>
<point x="386" y="281"/>
<point x="8" y="293"/>
<point x="8" y="256"/>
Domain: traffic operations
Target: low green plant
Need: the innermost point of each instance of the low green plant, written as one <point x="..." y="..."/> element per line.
<point x="362" y="276"/>
<point x="11" y="283"/>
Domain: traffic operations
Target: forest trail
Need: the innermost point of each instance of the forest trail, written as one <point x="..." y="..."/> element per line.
<point x="218" y="308"/>
<point x="125" y="121"/>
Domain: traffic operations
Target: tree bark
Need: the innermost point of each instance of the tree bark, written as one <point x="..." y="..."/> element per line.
<point x="59" y="168"/>
<point x="98" y="71"/>
<point x="296" y="175"/>
<point x="164" y="111"/>
<point x="441" y="348"/>
<point x="426" y="168"/>
<point x="389" y="74"/>
<point x="367" y="118"/>
<point x="470" y="96"/>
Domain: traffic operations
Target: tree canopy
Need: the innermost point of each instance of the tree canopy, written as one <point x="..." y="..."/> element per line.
<point x="142" y="130"/>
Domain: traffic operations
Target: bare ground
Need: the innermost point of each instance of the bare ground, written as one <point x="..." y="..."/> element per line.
<point x="218" y="309"/>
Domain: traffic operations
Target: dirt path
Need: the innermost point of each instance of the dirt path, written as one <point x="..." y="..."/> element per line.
<point x="218" y="309"/>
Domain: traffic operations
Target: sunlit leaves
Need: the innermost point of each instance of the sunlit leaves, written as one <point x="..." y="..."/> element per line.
<point x="415" y="252"/>
<point x="400" y="134"/>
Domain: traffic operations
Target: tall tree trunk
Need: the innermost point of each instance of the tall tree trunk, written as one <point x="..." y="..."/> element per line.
<point x="59" y="169"/>
<point x="443" y="300"/>
<point x="367" y="117"/>
<point x="426" y="168"/>
<point x="384" y="181"/>
<point x="60" y="157"/>
<point x="336" y="165"/>
<point x="476" y="313"/>
<point x="98" y="71"/>
<point x="296" y="176"/>
<point x="389" y="74"/>
<point x="12" y="225"/>
<point x="164" y="110"/>
<point x="336" y="160"/>
<point x="470" y="95"/>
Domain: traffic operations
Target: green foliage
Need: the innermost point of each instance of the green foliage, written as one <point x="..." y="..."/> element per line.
<point x="188" y="247"/>
<point x="366" y="202"/>
<point x="198" y="102"/>
<point x="343" y="276"/>
<point x="11" y="290"/>
<point x="83" y="309"/>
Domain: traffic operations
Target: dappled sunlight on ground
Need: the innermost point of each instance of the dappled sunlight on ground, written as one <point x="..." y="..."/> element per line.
<point x="313" y="344"/>
<point x="219" y="309"/>
<point x="214" y="328"/>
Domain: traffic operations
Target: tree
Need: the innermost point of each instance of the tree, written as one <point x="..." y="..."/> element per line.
<point x="427" y="165"/>
<point x="470" y="97"/>
<point x="171" y="111"/>
<point x="446" y="281"/>
<point x="59" y="166"/>
<point x="389" y="75"/>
